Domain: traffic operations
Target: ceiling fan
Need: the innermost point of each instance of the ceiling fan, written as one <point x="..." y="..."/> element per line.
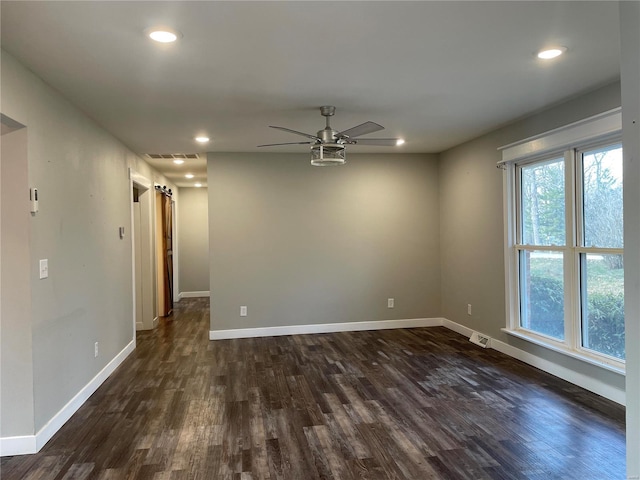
<point x="328" y="146"/>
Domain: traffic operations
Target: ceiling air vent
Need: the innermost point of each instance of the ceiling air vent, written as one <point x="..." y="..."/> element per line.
<point x="173" y="155"/>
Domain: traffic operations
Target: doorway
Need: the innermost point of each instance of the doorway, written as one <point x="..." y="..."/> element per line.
<point x="164" y="250"/>
<point x="145" y="317"/>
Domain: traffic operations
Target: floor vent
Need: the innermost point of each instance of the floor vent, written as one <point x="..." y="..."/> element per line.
<point x="181" y="156"/>
<point x="480" y="339"/>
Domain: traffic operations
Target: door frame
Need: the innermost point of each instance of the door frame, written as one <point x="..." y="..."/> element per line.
<point x="142" y="183"/>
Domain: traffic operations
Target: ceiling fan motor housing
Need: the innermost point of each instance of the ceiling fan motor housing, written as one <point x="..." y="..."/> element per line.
<point x="328" y="155"/>
<point x="328" y="135"/>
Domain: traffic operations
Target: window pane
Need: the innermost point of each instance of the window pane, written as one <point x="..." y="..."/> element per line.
<point x="603" y="303"/>
<point x="542" y="293"/>
<point x="542" y="200"/>
<point x="602" y="191"/>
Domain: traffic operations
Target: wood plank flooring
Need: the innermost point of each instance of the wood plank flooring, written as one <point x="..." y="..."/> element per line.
<point x="412" y="404"/>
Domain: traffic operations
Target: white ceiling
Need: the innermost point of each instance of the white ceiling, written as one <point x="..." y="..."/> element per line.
<point x="434" y="73"/>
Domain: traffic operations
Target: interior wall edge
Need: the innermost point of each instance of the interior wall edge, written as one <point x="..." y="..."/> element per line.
<point x="630" y="81"/>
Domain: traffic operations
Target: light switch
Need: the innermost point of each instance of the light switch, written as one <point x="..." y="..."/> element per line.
<point x="44" y="268"/>
<point x="33" y="196"/>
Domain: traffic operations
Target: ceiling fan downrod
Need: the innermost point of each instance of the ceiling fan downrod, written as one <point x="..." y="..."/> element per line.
<point x="327" y="134"/>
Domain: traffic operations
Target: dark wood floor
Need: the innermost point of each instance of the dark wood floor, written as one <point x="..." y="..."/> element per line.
<point x="394" y="404"/>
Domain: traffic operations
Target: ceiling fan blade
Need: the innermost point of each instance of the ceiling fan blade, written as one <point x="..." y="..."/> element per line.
<point x="363" y="129"/>
<point x="290" y="143"/>
<point x="296" y="132"/>
<point x="379" y="142"/>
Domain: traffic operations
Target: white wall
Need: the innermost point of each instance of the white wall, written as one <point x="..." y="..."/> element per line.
<point x="305" y="245"/>
<point x="193" y="240"/>
<point x="82" y="176"/>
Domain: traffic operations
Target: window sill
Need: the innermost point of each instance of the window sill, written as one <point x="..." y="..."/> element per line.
<point x="598" y="362"/>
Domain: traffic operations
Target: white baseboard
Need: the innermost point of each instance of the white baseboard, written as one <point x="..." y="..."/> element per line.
<point x="204" y="293"/>
<point x="584" y="381"/>
<point x="10" y="446"/>
<point x="33" y="443"/>
<point x="456" y="327"/>
<point x="139" y="326"/>
<point x="571" y="376"/>
<point x="155" y="321"/>
<point x="323" y="328"/>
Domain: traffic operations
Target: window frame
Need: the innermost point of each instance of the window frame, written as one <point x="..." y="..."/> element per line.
<point x="569" y="143"/>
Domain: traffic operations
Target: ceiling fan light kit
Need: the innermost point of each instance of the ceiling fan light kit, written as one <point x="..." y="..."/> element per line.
<point x="328" y="155"/>
<point x="328" y="146"/>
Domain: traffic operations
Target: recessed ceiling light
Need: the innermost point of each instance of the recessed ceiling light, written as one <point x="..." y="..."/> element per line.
<point x="189" y="175"/>
<point x="178" y="161"/>
<point x="400" y="141"/>
<point x="202" y="139"/>
<point x="549" y="53"/>
<point x="197" y="185"/>
<point x="163" y="34"/>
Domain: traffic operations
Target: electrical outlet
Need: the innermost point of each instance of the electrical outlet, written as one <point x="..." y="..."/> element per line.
<point x="95" y="350"/>
<point x="390" y="302"/>
<point x="468" y="309"/>
<point x="243" y="311"/>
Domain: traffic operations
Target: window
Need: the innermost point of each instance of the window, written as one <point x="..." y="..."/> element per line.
<point x="542" y="232"/>
<point x="564" y="243"/>
<point x="600" y="252"/>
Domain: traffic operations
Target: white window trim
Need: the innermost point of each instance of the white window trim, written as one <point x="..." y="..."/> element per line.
<point x="612" y="366"/>
<point x="592" y="129"/>
<point x="596" y="129"/>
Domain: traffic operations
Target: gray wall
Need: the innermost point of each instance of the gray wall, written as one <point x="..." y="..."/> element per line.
<point x="472" y="227"/>
<point x="305" y="245"/>
<point x="193" y="239"/>
<point x="81" y="173"/>
<point x="16" y="353"/>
